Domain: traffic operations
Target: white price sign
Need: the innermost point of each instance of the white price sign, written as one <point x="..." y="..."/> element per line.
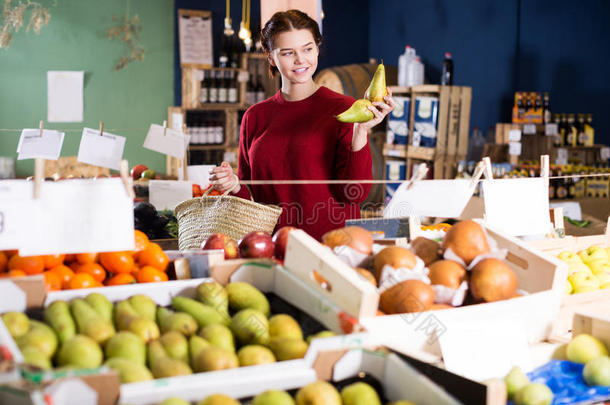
<point x="167" y="141"/>
<point x="17" y="213"/>
<point x="105" y="150"/>
<point x="34" y="145"/>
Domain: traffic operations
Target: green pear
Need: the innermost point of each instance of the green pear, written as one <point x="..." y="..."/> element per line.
<point x="585" y="347"/>
<point x="218" y="399"/>
<point x="359" y="394"/>
<point x="282" y="325"/>
<point x="246" y="296"/>
<point x="41" y="336"/>
<point x="174" y="401"/>
<point x="144" y="306"/>
<point x="163" y="366"/>
<point x="90" y="322"/>
<point x="401" y="402"/>
<point x="17" y="323"/>
<point x="203" y="314"/>
<point x="214" y="358"/>
<point x="101" y="304"/>
<point x="253" y="355"/>
<point x="58" y="316"/>
<point x="126" y="345"/>
<point x="218" y="335"/>
<point x="196" y="345"/>
<point x="126" y="318"/>
<point x="273" y="397"/>
<point x="80" y="351"/>
<point x="214" y="295"/>
<point x="176" y="346"/>
<point x="515" y="380"/>
<point x="377" y="88"/>
<point x="128" y="370"/>
<point x="318" y="393"/>
<point x="288" y="349"/>
<point x="597" y="371"/>
<point x="534" y="394"/>
<point x="179" y="321"/>
<point x="323" y="334"/>
<point x="250" y="327"/>
<point x="36" y="357"/>
<point x="358" y="112"/>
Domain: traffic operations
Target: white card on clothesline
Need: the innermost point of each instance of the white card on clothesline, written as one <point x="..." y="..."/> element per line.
<point x="197" y="174"/>
<point x="166" y="194"/>
<point x="167" y="141"/>
<point x="32" y="145"/>
<point x="104" y="150"/>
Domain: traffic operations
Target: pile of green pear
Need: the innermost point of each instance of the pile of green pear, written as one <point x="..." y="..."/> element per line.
<point x="584" y="349"/>
<point x="317" y="393"/>
<point x="588" y="270"/>
<point x="359" y="111"/>
<point x="224" y="327"/>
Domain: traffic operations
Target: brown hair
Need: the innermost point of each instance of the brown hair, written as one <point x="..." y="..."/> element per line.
<point x="283" y="21"/>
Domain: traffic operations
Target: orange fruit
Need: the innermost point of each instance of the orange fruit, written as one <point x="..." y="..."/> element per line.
<point x="117" y="262"/>
<point x="95" y="269"/>
<point x="153" y="256"/>
<point x="84" y="258"/>
<point x="3" y="262"/>
<point x="75" y="266"/>
<point x="10" y="253"/>
<point x="29" y="264"/>
<point x="51" y="261"/>
<point x="65" y="275"/>
<point x="149" y="274"/>
<point x="121" y="279"/>
<point x="70" y="258"/>
<point x="52" y="281"/>
<point x="141" y="240"/>
<point x="81" y="280"/>
<point x="16" y="273"/>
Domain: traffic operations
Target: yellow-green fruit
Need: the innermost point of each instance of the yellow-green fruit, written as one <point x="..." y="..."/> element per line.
<point x="318" y="393"/>
<point x="323" y="334"/>
<point x="57" y="314"/>
<point x="89" y="322"/>
<point x="126" y="345"/>
<point x="174" y="401"/>
<point x="127" y="318"/>
<point x="288" y="349"/>
<point x="17" y="323"/>
<point x="218" y="399"/>
<point x="401" y="402"/>
<point x="182" y="322"/>
<point x="101" y="305"/>
<point x="196" y="345"/>
<point x="377" y="88"/>
<point x="246" y="296"/>
<point x="534" y="394"/>
<point x="144" y="306"/>
<point x="176" y="346"/>
<point x="283" y="325"/>
<point x="129" y="371"/>
<point x="214" y="295"/>
<point x="273" y="397"/>
<point x="250" y="326"/>
<point x="585" y="347"/>
<point x="515" y="380"/>
<point x="36" y="357"/>
<point x="597" y="372"/>
<point x="214" y="358"/>
<point x="358" y="112"/>
<point x="253" y="355"/>
<point x="359" y="394"/>
<point x="203" y="314"/>
<point x="41" y="336"/>
<point x="162" y="365"/>
<point x="218" y="335"/>
<point x="80" y="351"/>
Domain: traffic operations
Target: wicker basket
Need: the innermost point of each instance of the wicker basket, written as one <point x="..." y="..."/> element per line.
<point x="198" y="218"/>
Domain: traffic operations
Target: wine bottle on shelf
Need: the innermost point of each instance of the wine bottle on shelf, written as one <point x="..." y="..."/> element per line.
<point x="232" y="95"/>
<point x="222" y="86"/>
<point x="213" y="95"/>
<point x="205" y="88"/>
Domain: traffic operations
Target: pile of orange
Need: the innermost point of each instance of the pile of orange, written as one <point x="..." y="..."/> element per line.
<point x="147" y="263"/>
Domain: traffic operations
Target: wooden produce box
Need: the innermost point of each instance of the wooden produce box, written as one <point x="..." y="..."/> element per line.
<point x="452" y="129"/>
<point x="573" y="303"/>
<point x="541" y="276"/>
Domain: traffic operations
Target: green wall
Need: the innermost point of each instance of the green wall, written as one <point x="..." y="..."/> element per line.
<point x="75" y="39"/>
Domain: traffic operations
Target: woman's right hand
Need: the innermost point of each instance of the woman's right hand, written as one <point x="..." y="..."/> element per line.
<point x="222" y="178"/>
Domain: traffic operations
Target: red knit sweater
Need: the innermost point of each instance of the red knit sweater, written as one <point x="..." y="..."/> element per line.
<point x="302" y="140"/>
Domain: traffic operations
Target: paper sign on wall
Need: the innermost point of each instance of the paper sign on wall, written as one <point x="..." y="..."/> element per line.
<point x="167" y="141"/>
<point x="79" y="216"/>
<point x="166" y="194"/>
<point x="517" y="207"/>
<point x="65" y="96"/>
<point x="32" y="145"/>
<point x="431" y="198"/>
<point x="198" y="174"/>
<point x="104" y="150"/>
<point x="16" y="212"/>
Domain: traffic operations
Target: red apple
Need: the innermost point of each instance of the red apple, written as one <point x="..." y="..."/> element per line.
<point x="137" y="170"/>
<point x="221" y="241"/>
<point x="280" y="238"/>
<point x="256" y="244"/>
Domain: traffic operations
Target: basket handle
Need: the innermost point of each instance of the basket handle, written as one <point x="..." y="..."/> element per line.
<point x="228" y="191"/>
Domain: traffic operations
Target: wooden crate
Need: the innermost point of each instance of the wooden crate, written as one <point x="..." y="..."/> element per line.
<point x="452" y="129"/>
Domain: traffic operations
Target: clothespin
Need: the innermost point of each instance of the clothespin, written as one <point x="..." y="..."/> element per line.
<point x="164" y="127"/>
<point x="185" y="160"/>
<point x="544" y="169"/>
<point x="38" y="175"/>
<point x="101" y="128"/>
<point x="420" y="173"/>
<point x="489" y="174"/>
<point x="414" y="227"/>
<point x="476" y="176"/>
<point x="41" y="125"/>
<point x="124" y="171"/>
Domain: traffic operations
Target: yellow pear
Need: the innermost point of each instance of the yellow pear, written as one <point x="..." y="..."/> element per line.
<point x="358" y="112"/>
<point x="377" y="89"/>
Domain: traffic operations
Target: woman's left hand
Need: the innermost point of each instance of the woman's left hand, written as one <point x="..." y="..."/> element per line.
<point x="380" y="110"/>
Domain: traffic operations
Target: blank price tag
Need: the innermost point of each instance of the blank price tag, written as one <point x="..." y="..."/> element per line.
<point x="199" y="174"/>
<point x="529" y="129"/>
<point x="550" y="129"/>
<point x="514" y="148"/>
<point x="562" y="156"/>
<point x="16" y="212"/>
<point x="101" y="150"/>
<point x="78" y="216"/>
<point x="166" y="194"/>
<point x="517" y="206"/>
<point x="32" y="145"/>
<point x="167" y="141"/>
<point x="514" y="135"/>
<point x="431" y="198"/>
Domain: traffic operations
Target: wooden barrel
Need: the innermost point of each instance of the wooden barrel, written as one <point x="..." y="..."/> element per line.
<point x="353" y="80"/>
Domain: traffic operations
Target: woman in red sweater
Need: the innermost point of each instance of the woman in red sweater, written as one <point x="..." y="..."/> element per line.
<point x="294" y="135"/>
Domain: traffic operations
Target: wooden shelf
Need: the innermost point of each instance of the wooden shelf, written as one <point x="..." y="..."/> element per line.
<point x="207" y="147"/>
<point x="421" y="153"/>
<point x="218" y="107"/>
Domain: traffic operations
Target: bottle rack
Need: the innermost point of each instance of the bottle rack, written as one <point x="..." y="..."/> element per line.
<point x="191" y="89"/>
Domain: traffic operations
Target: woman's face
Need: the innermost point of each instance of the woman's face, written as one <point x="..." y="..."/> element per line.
<point x="295" y="55"/>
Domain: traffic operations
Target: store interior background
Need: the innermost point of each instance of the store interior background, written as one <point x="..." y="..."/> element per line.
<point x="498" y="48"/>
